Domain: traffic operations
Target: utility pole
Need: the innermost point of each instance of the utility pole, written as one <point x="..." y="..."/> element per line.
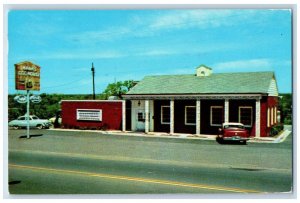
<point x="93" y="73"/>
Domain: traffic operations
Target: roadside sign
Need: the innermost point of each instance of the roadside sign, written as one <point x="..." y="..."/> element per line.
<point x="35" y="99"/>
<point x="20" y="99"/>
<point x="27" y="76"/>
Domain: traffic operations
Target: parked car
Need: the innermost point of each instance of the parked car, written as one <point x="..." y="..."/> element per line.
<point x="233" y="132"/>
<point x="34" y="121"/>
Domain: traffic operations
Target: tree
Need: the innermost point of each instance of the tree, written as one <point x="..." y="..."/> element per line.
<point x="47" y="108"/>
<point x="285" y="105"/>
<point x="50" y="103"/>
<point x="118" y="88"/>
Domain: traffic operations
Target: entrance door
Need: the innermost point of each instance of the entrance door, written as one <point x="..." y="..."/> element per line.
<point x="140" y="120"/>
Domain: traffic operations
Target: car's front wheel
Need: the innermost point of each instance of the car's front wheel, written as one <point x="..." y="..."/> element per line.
<point x="15" y="127"/>
<point x="244" y="142"/>
<point x="220" y="140"/>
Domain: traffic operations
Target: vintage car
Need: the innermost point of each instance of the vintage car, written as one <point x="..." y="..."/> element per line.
<point x="233" y="132"/>
<point x="34" y="121"/>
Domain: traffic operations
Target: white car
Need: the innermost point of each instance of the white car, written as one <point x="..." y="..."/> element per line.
<point x="34" y="121"/>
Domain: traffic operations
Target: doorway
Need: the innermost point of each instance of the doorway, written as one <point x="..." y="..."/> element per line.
<point x="140" y="120"/>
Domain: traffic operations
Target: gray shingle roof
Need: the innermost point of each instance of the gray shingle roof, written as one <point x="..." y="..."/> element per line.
<point x="248" y="82"/>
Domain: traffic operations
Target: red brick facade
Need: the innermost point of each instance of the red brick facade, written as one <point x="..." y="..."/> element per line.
<point x="267" y="102"/>
<point x="111" y="114"/>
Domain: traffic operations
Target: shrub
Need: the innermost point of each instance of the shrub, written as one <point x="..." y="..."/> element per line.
<point x="276" y="129"/>
<point x="273" y="131"/>
<point x="104" y="127"/>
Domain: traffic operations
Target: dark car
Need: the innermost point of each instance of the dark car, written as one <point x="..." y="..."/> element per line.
<point x="233" y="132"/>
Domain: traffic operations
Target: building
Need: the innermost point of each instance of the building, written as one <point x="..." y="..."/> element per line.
<point x="199" y="103"/>
<point x="93" y="114"/>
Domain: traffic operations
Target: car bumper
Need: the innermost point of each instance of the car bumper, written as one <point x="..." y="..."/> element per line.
<point x="234" y="138"/>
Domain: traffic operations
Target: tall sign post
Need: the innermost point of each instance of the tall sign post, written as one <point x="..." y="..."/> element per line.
<point x="27" y="77"/>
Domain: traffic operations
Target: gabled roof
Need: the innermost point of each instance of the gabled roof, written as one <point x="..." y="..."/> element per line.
<point x="217" y="83"/>
<point x="202" y="65"/>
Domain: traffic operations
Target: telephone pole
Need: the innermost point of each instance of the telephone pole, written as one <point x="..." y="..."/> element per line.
<point x="93" y="73"/>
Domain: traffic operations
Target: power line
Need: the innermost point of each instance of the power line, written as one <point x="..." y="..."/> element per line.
<point x="65" y="84"/>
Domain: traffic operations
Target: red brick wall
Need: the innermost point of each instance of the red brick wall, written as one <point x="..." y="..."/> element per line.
<point x="111" y="114"/>
<point x="267" y="102"/>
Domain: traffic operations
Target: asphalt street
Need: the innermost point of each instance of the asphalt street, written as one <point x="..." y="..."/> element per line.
<point x="57" y="162"/>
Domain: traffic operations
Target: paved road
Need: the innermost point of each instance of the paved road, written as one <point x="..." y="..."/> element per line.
<point x="54" y="162"/>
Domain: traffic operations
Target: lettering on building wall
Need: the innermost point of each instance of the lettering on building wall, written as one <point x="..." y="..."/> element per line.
<point x="89" y="114"/>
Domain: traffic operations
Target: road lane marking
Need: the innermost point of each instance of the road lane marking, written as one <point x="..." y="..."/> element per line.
<point x="128" y="178"/>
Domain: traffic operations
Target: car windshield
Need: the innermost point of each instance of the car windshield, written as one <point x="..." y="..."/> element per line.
<point x="35" y="118"/>
<point x="233" y="126"/>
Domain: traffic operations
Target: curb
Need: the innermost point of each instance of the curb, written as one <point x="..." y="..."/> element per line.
<point x="279" y="139"/>
<point x="156" y="135"/>
<point x="283" y="136"/>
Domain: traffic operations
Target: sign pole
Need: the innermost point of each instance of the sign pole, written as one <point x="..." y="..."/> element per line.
<point x="27" y="117"/>
<point x="27" y="77"/>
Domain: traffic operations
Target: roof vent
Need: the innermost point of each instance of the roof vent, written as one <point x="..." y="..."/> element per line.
<point x="202" y="71"/>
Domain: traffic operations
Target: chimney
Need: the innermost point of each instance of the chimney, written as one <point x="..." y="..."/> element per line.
<point x="203" y="71"/>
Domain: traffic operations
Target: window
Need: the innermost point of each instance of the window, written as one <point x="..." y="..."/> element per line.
<point x="216" y="115"/>
<point x="245" y="115"/>
<point x="89" y="114"/>
<point x="268" y="120"/>
<point x="165" y="114"/>
<point x="275" y="115"/>
<point x="141" y="117"/>
<point x="190" y="115"/>
<point x="272" y="116"/>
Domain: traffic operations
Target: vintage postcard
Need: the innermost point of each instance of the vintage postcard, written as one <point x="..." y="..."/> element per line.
<point x="150" y="101"/>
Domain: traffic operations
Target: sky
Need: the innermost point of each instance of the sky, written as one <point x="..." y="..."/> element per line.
<point x="131" y="44"/>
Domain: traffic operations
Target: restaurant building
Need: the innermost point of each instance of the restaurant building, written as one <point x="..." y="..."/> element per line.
<point x="199" y="103"/>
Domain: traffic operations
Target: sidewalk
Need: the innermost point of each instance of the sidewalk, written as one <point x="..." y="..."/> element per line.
<point x="277" y="139"/>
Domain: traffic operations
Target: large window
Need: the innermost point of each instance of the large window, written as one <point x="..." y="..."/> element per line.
<point x="275" y="115"/>
<point x="216" y="115"/>
<point x="272" y="116"/>
<point x="89" y="114"/>
<point x="245" y="115"/>
<point x="165" y="114"/>
<point x="190" y="115"/>
<point x="268" y="119"/>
